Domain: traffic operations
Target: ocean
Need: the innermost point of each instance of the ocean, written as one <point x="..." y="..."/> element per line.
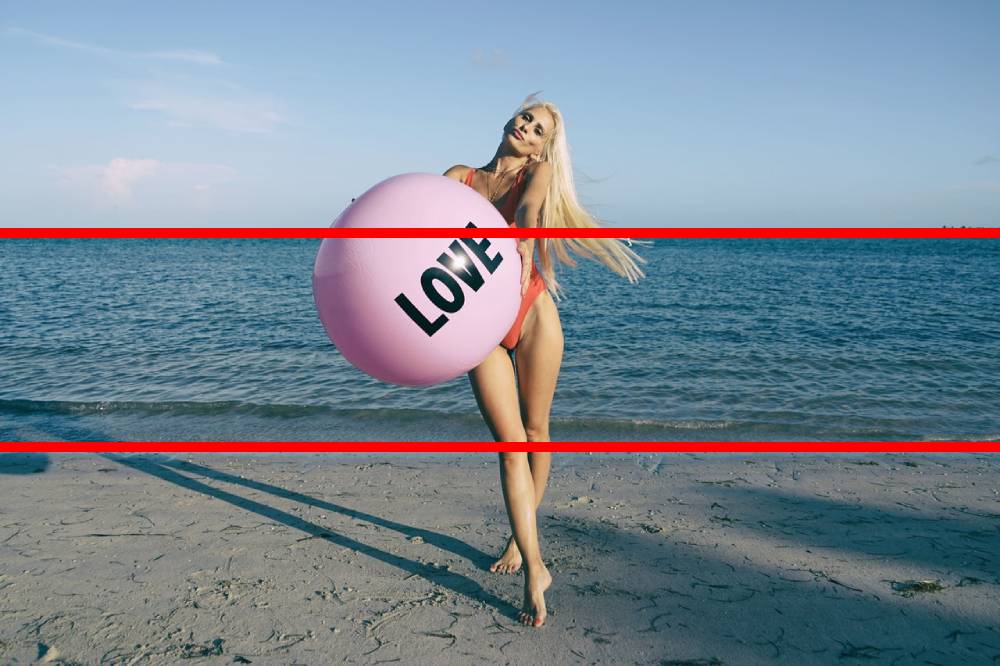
<point x="755" y="340"/>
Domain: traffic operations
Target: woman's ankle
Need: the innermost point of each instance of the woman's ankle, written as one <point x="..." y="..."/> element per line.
<point x="534" y="565"/>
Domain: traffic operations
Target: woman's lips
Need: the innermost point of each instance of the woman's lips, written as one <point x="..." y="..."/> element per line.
<point x="520" y="137"/>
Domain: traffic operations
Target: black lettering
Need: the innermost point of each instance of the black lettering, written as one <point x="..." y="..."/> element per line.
<point x="429" y="327"/>
<point x="444" y="277"/>
<point x="478" y="247"/>
<point x="461" y="265"/>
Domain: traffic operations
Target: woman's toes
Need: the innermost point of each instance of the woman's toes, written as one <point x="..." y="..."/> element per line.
<point x="504" y="566"/>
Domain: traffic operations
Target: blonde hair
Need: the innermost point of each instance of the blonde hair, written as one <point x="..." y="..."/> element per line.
<point x="563" y="210"/>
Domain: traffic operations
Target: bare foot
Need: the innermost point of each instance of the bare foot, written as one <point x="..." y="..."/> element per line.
<point x="536" y="581"/>
<point x="510" y="561"/>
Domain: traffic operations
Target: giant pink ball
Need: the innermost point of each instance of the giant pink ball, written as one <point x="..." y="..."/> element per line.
<point x="417" y="311"/>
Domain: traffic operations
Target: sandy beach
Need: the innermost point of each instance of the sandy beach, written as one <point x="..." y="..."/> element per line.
<point x="690" y="559"/>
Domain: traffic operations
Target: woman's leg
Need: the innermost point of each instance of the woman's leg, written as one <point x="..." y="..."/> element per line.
<point x="495" y="389"/>
<point x="539" y="357"/>
<point x="510" y="560"/>
<point x="519" y="498"/>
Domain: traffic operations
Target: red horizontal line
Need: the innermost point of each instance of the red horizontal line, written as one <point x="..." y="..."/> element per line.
<point x="438" y="232"/>
<point x="492" y="447"/>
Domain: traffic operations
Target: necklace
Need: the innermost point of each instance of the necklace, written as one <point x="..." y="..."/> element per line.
<point x="492" y="195"/>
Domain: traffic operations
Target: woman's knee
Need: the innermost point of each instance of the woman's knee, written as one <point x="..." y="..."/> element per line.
<point x="512" y="460"/>
<point x="537" y="432"/>
<point x="512" y="435"/>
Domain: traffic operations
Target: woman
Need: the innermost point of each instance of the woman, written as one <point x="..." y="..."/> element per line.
<point x="530" y="181"/>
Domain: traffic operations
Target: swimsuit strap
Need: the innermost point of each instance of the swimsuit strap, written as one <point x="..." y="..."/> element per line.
<point x="513" y="195"/>
<point x="519" y="181"/>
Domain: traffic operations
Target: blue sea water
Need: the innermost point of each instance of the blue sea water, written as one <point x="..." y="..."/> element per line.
<point x="791" y="339"/>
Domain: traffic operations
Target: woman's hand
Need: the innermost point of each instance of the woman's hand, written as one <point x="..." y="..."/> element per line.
<point x="526" y="248"/>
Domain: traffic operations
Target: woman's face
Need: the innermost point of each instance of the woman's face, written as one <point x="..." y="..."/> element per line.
<point x="527" y="132"/>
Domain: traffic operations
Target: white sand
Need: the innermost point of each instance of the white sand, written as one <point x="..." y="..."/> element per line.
<point x="700" y="560"/>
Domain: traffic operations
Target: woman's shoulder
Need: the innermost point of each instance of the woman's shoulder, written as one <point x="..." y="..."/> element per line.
<point x="458" y="172"/>
<point x="539" y="169"/>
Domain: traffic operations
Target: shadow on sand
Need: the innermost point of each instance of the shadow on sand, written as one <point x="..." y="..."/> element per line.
<point x="670" y="587"/>
<point x="170" y="470"/>
<point x="24" y="463"/>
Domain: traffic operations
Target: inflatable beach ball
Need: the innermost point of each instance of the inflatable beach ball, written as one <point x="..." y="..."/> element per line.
<point x="417" y="311"/>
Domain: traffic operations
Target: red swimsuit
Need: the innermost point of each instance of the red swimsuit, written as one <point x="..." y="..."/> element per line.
<point x="536" y="284"/>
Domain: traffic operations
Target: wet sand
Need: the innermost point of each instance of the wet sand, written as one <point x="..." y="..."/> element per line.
<point x="697" y="560"/>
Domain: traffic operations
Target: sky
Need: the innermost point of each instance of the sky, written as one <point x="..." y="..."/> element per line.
<point x="227" y="113"/>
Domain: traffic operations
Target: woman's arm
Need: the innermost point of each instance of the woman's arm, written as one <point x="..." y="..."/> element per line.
<point x="539" y="176"/>
<point x="528" y="210"/>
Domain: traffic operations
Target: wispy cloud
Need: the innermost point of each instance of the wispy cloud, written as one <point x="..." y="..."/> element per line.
<point x="237" y="111"/>
<point x="125" y="182"/>
<point x="493" y="58"/>
<point x="191" y="56"/>
<point x="987" y="159"/>
<point x="120" y="175"/>
<point x="185" y="55"/>
<point x="182" y="101"/>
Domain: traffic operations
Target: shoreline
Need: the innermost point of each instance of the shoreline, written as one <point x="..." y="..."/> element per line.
<point x="110" y="420"/>
<point x="737" y="558"/>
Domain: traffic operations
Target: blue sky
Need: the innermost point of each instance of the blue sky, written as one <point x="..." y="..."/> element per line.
<point x="679" y="114"/>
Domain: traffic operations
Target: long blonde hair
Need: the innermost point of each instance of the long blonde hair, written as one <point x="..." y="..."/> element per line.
<point x="563" y="210"/>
